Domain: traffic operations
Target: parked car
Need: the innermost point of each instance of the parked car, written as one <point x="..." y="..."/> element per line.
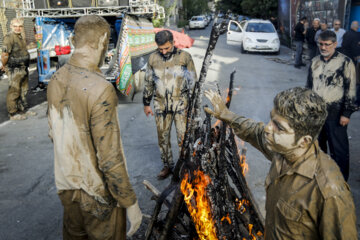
<point x="197" y="22"/>
<point x="253" y="35"/>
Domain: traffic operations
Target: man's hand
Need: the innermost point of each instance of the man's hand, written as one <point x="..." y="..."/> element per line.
<point x="217" y="102"/>
<point x="147" y="111"/>
<point x="135" y="217"/>
<point x="344" y="121"/>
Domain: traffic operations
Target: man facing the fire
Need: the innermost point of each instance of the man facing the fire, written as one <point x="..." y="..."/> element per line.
<point x="169" y="76"/>
<point x="306" y="194"/>
<point x="90" y="166"/>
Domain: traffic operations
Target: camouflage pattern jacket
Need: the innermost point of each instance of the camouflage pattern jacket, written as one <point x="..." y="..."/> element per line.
<point x="309" y="199"/>
<point x="169" y="81"/>
<point x="15" y="45"/>
<point x="88" y="152"/>
<point x="335" y="81"/>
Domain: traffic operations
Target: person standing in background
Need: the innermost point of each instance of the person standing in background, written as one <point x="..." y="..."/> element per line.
<point x="339" y="33"/>
<point x="299" y="38"/>
<point x="310" y="37"/>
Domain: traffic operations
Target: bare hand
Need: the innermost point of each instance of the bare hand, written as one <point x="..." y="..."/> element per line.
<point x="147" y="111"/>
<point x="217" y="102"/>
<point x="344" y="121"/>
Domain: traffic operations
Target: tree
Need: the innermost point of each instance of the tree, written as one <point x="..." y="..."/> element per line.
<point x="232" y="5"/>
<point x="259" y="9"/>
<point x="194" y="8"/>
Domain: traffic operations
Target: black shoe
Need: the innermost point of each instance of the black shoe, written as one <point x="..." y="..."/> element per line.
<point x="297" y="66"/>
<point x="302" y="64"/>
<point x="164" y="173"/>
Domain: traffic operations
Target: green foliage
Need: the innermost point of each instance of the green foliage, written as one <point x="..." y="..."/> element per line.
<point x="194" y="8"/>
<point x="182" y="23"/>
<point x="258" y="9"/>
<point x="158" y="23"/>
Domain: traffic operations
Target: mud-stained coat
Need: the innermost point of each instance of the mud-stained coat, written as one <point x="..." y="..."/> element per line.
<point x="170" y="82"/>
<point x="89" y="156"/>
<point x="335" y="81"/>
<point x="16" y="69"/>
<point x="309" y="200"/>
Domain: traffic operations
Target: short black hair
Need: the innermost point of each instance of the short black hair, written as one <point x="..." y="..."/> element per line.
<point x="163" y="37"/>
<point x="304" y="109"/>
<point x="328" y="35"/>
<point x="303" y="18"/>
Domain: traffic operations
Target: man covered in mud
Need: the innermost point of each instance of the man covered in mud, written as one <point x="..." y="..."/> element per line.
<point x="15" y="62"/>
<point x="332" y="75"/>
<point x="90" y="166"/>
<point x="306" y="194"/>
<point x="169" y="77"/>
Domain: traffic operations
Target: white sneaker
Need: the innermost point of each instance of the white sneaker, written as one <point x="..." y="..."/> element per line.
<point x="18" y="117"/>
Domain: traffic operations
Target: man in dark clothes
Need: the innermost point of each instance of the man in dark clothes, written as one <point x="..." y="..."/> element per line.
<point x="332" y="76"/>
<point x="350" y="44"/>
<point x="310" y="37"/>
<point x="300" y="32"/>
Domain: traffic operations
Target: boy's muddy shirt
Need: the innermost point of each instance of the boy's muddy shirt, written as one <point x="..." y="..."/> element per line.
<point x="308" y="199"/>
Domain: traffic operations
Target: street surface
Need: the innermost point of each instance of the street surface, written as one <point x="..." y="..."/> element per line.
<point x="29" y="206"/>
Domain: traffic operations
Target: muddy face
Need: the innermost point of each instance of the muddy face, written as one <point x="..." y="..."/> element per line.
<point x="280" y="137"/>
<point x="166" y="49"/>
<point x="17" y="27"/>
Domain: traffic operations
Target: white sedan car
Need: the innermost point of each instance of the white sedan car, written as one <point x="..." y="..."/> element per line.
<point x="253" y="36"/>
<point x="197" y="22"/>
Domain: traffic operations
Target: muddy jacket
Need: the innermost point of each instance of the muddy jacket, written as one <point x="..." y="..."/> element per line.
<point x="335" y="81"/>
<point x="15" y="45"/>
<point x="169" y="81"/>
<point x="88" y="151"/>
<point x="309" y="200"/>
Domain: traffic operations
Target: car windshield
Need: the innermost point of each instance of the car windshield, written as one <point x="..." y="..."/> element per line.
<point x="196" y="19"/>
<point x="260" y="27"/>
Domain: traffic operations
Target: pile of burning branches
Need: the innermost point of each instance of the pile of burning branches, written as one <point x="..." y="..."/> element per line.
<point x="210" y="196"/>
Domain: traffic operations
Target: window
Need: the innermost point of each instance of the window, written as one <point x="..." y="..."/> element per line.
<point x="260" y="27"/>
<point x="234" y="27"/>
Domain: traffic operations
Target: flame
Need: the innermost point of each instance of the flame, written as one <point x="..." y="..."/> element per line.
<point x="227" y="218"/>
<point x="242" y="154"/>
<point x="241" y="205"/>
<point x="216" y="123"/>
<point x="198" y="204"/>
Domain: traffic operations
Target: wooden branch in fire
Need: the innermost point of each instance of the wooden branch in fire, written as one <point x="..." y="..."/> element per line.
<point x="211" y="198"/>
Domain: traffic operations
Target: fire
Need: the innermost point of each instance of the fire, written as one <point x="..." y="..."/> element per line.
<point x="242" y="154"/>
<point x="198" y="204"/>
<point x="216" y="123"/>
<point x="227" y="218"/>
<point x="241" y="205"/>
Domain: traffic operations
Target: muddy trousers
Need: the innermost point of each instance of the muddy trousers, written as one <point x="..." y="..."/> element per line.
<point x="18" y="88"/>
<point x="163" y="124"/>
<point x="335" y="135"/>
<point x="81" y="225"/>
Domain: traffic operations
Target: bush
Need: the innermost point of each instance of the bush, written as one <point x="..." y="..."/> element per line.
<point x="158" y="23"/>
<point x="182" y="23"/>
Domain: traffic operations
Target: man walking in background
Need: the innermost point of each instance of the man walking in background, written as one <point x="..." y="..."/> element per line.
<point x="351" y="41"/>
<point x="300" y="32"/>
<point x="310" y="37"/>
<point x="339" y="33"/>
<point x="169" y="77"/>
<point x="332" y="76"/>
<point x="90" y="166"/>
<point x="15" y="62"/>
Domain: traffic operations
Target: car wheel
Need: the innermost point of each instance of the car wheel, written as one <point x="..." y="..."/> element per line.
<point x="277" y="53"/>
<point x="242" y="49"/>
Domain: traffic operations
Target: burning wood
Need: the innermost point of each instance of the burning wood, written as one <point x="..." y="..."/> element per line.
<point x="211" y="199"/>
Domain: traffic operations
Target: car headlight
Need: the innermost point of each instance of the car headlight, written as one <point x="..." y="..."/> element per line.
<point x="248" y="40"/>
<point x="275" y="41"/>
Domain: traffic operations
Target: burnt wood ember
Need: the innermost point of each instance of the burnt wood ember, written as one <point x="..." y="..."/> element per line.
<point x="208" y="184"/>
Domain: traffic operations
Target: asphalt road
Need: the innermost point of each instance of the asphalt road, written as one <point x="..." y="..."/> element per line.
<point x="29" y="206"/>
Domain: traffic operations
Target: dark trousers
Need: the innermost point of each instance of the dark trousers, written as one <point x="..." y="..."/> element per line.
<point x="298" y="53"/>
<point x="312" y="51"/>
<point x="336" y="137"/>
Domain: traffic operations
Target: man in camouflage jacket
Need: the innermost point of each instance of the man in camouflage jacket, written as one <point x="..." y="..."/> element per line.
<point x="306" y="194"/>
<point x="169" y="77"/>
<point x="15" y="61"/>
<point x="332" y="75"/>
